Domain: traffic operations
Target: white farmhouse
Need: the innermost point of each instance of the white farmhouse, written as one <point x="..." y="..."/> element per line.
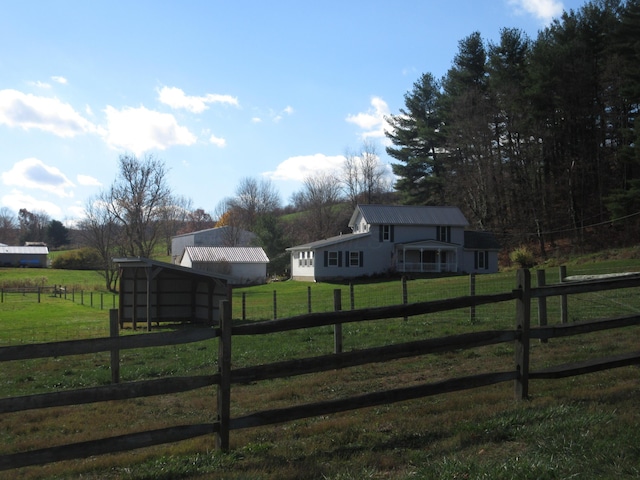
<point x="394" y="238"/>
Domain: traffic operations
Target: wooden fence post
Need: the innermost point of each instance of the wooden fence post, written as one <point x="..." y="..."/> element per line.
<point x="523" y="324"/>
<point x="39" y="294"/>
<point x="308" y="299"/>
<point x="115" y="352"/>
<point x="542" y="303"/>
<point x="472" y="293"/>
<point x="337" y="328"/>
<point x="224" y="368"/>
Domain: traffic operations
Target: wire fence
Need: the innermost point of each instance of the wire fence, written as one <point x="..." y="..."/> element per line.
<point x="93" y="299"/>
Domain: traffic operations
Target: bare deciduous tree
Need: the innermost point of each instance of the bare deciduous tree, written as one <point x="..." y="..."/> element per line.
<point x="253" y="199"/>
<point x="136" y="201"/>
<point x="100" y="232"/>
<point x="365" y="179"/>
<point x="8" y="227"/>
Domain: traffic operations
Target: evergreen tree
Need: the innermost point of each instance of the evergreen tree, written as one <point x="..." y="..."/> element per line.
<point x="417" y="142"/>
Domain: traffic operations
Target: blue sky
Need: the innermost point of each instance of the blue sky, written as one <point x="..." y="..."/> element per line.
<point x="219" y="90"/>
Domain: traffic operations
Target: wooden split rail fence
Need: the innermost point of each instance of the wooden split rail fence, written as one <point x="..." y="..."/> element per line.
<point x="520" y="374"/>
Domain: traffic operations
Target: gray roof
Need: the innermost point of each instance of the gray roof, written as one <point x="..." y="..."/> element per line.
<point x="329" y="241"/>
<point x="409" y="215"/>
<point x="137" y="262"/>
<point x="227" y="254"/>
<point x="39" y="250"/>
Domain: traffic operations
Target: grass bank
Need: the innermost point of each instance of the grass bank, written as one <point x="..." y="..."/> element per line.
<point x="582" y="427"/>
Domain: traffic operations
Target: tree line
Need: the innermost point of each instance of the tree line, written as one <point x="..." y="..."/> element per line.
<point x="533" y="139"/>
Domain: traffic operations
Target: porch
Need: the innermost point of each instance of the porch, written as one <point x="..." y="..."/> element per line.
<point x="426" y="257"/>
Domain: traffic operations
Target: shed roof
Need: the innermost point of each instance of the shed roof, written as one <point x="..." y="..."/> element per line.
<point x="409" y="215"/>
<point x="227" y="254"/>
<point x="39" y="250"/>
<point x="138" y="262"/>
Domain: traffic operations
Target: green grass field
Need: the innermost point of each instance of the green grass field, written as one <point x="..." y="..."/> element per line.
<point x="581" y="427"/>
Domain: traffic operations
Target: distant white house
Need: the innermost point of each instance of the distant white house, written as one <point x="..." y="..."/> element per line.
<point x="24" y="256"/>
<point x="394" y="238"/>
<point x="212" y="237"/>
<point x="245" y="265"/>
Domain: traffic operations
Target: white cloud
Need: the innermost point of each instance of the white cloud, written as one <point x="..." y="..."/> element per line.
<point x="17" y="200"/>
<point x="33" y="173"/>
<point x="140" y="129"/>
<point x="176" y="98"/>
<point x="219" y="142"/>
<point x="39" y="84"/>
<point x="59" y="79"/>
<point x="373" y="120"/>
<point x="88" y="181"/>
<point x="28" y="111"/>
<point x="300" y="167"/>
<point x="256" y="120"/>
<point x="545" y="10"/>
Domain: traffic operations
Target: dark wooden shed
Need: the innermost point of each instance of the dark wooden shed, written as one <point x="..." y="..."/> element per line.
<point x="154" y="292"/>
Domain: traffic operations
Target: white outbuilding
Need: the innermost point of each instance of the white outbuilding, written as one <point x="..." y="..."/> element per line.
<point x="245" y="265"/>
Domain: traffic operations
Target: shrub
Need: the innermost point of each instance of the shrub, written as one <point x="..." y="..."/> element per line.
<point x="523" y="257"/>
<point x="81" y="259"/>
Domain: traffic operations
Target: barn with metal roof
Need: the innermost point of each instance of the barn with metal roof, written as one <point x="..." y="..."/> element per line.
<point x="24" y="256"/>
<point x="245" y="265"/>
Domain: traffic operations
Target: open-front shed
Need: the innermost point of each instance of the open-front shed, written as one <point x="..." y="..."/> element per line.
<point x="154" y="292"/>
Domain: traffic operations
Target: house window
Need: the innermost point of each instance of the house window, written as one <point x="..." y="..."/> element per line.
<point x="385" y="233"/>
<point x="333" y="259"/>
<point x="355" y="259"/>
<point x="481" y="260"/>
<point x="444" y="234"/>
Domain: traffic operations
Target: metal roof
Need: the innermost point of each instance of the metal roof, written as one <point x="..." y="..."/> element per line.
<point x="142" y="262"/>
<point x="409" y="215"/>
<point x="39" y="250"/>
<point x="227" y="254"/>
<point x="329" y="241"/>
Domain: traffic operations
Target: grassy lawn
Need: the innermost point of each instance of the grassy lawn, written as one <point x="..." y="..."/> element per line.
<point x="581" y="427"/>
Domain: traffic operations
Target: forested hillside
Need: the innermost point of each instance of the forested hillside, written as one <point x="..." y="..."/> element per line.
<point x="534" y="139"/>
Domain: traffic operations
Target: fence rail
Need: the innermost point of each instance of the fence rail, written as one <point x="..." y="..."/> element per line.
<point x="521" y="336"/>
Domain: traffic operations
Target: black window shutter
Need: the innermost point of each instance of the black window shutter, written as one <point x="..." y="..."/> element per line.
<point x="339" y="259"/>
<point x="361" y="258"/>
<point x="380" y="232"/>
<point x="347" y="261"/>
<point x="486" y="260"/>
<point x="475" y="260"/>
<point x="326" y="258"/>
<point x="392" y="229"/>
